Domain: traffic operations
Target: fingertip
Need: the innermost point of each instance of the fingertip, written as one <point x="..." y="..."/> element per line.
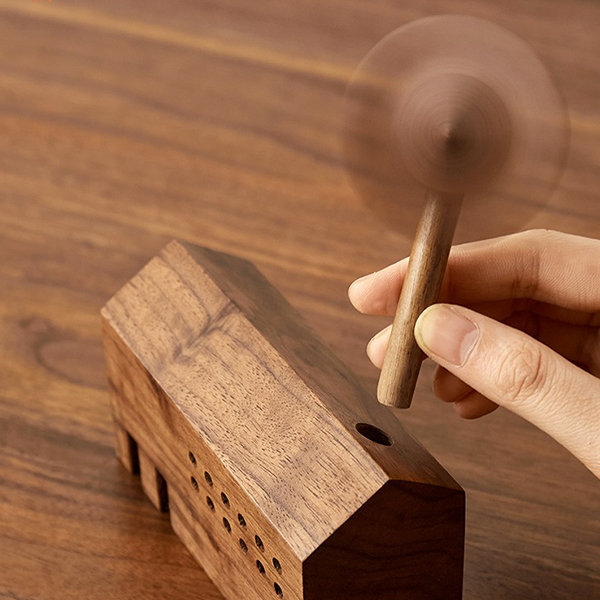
<point x="447" y="333"/>
<point x="377" y="347"/>
<point x="357" y="292"/>
<point x="474" y="406"/>
<point x="378" y="292"/>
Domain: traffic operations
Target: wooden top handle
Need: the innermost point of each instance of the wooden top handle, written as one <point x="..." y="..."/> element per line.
<point x="421" y="288"/>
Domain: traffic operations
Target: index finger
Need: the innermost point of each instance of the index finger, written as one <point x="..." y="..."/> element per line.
<point x="546" y="266"/>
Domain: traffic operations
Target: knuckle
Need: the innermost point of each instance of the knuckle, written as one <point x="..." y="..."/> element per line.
<point x="538" y="236"/>
<point x="530" y="249"/>
<point x="522" y="376"/>
<point x="538" y="233"/>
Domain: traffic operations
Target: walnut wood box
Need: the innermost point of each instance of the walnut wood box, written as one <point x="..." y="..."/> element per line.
<point x="282" y="475"/>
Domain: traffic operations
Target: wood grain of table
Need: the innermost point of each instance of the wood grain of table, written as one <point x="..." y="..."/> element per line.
<point x="126" y="124"/>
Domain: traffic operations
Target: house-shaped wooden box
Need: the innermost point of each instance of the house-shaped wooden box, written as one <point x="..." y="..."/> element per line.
<point x="282" y="475"/>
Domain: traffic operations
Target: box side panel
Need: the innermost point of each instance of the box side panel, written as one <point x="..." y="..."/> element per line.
<point x="223" y="529"/>
<point x="405" y="543"/>
<point x="291" y="455"/>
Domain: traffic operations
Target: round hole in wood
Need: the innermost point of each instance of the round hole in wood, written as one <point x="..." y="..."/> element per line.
<point x="259" y="543"/>
<point x="194" y="482"/>
<point x="227" y="525"/>
<point x="225" y="499"/>
<point x="278" y="589"/>
<point x="241" y="520"/>
<point x="277" y="565"/>
<point x="243" y="545"/>
<point x="260" y="567"/>
<point x="208" y="478"/>
<point x="210" y="503"/>
<point x="192" y="457"/>
<point x="374" y="434"/>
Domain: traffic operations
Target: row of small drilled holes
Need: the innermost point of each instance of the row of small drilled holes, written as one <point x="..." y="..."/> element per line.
<point x="241" y="520"/>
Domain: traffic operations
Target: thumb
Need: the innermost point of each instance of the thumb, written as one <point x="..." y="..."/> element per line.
<point x="519" y="373"/>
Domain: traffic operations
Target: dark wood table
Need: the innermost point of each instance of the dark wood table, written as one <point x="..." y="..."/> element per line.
<point x="126" y="124"/>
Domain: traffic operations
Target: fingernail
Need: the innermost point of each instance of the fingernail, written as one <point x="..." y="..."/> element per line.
<point x="443" y="332"/>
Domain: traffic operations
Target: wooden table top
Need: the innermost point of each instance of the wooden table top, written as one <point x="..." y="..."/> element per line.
<point x="126" y="124"/>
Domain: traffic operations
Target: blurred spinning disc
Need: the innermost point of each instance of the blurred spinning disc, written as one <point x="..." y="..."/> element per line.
<point x="457" y="105"/>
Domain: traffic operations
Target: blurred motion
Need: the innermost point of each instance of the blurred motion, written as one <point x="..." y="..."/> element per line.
<point x="459" y="105"/>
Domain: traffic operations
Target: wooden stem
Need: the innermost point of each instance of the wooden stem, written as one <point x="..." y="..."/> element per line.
<point x="426" y="268"/>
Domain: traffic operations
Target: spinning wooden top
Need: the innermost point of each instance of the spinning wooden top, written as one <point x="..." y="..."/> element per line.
<point x="450" y="110"/>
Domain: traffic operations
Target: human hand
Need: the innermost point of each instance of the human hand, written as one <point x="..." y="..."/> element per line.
<point x="519" y="327"/>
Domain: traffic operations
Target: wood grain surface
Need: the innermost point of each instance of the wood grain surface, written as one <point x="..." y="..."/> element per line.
<point x="420" y="289"/>
<point x="125" y="124"/>
<point x="268" y="444"/>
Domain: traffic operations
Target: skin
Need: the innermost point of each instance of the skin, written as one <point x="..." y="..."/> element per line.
<point x="518" y="326"/>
